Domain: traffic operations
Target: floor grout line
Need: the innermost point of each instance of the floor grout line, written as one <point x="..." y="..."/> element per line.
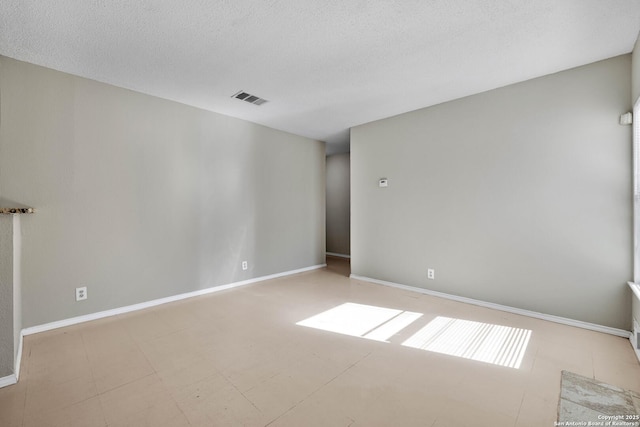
<point x="319" y="388"/>
<point x="373" y="377"/>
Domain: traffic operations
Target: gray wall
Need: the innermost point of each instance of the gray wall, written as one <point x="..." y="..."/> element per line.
<point x="17" y="285"/>
<point x="6" y="296"/>
<point x="519" y="196"/>
<point x="635" y="76"/>
<point x="141" y="198"/>
<point x="338" y="204"/>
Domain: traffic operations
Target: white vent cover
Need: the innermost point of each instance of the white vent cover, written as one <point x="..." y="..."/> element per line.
<point x="247" y="97"/>
<point x="626" y="119"/>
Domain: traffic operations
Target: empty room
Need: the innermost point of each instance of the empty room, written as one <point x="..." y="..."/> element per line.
<point x="338" y="213"/>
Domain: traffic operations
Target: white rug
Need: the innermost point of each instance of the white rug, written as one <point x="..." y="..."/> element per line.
<point x="588" y="402"/>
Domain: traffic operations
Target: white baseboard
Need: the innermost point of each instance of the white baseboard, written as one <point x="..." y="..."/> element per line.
<point x="634" y="339"/>
<point x="153" y="303"/>
<point x="528" y="313"/>
<point x="8" y="380"/>
<point x="12" y="379"/>
<point x="635" y="327"/>
<point x="19" y="357"/>
<point x="338" y="255"/>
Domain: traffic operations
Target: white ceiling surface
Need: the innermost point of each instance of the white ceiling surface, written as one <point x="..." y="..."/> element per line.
<point x="324" y="66"/>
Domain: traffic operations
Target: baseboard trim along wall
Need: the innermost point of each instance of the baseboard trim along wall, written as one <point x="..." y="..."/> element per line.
<point x="13" y="379"/>
<point x="19" y="356"/>
<point x="160" y="301"/>
<point x="338" y="255"/>
<point x="633" y="338"/>
<point x="8" y="380"/>
<point x="514" y="310"/>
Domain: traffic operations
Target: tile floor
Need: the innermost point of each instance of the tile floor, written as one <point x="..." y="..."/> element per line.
<point x="238" y="358"/>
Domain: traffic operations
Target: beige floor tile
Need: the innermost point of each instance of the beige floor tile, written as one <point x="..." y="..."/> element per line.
<point x="618" y="373"/>
<point x="228" y="351"/>
<point x="171" y="351"/>
<point x="374" y="369"/>
<point x="613" y="362"/>
<point x="144" y="398"/>
<point x="544" y="378"/>
<point x="123" y="369"/>
<point x="437" y="371"/>
<point x="249" y="373"/>
<point x="537" y="411"/>
<point x="178" y="315"/>
<point x="399" y="408"/>
<point x="341" y="350"/>
<point x="193" y="394"/>
<point x="352" y="394"/>
<point x="461" y="413"/>
<point x="612" y="346"/>
<point x="60" y="369"/>
<point x="146" y="324"/>
<point x="44" y="396"/>
<point x="56" y="357"/>
<point x="87" y="413"/>
<point x="198" y="369"/>
<point x="12" y="401"/>
<point x="165" y="413"/>
<point x="58" y="343"/>
<point x="105" y="341"/>
<point x="283" y="391"/>
<point x="238" y="357"/>
<point x="215" y="401"/>
<point x="312" y="414"/>
<point x="568" y="357"/>
<point x="396" y="397"/>
<point x="494" y="388"/>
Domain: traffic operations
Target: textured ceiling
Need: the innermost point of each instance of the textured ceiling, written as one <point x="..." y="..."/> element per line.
<point x="324" y="66"/>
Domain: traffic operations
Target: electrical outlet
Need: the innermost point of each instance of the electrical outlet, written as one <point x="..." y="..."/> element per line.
<point x="245" y="265"/>
<point x="431" y="274"/>
<point x="81" y="293"/>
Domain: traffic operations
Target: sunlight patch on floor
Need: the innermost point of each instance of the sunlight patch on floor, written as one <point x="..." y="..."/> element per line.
<point x="484" y="342"/>
<point x="359" y="320"/>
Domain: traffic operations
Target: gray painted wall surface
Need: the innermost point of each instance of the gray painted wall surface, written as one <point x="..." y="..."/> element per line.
<point x="140" y="198"/>
<point x="338" y="204"/>
<point x="635" y="73"/>
<point x="6" y="296"/>
<point x="519" y="196"/>
<point x="17" y="285"/>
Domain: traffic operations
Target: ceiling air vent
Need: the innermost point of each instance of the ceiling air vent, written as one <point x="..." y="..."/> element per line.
<point x="247" y="97"/>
